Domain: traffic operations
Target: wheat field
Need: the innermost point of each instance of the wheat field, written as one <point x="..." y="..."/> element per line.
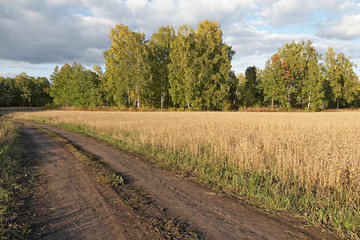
<point x="322" y="149"/>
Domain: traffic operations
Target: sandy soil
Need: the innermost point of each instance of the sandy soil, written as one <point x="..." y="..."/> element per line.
<point x="74" y="205"/>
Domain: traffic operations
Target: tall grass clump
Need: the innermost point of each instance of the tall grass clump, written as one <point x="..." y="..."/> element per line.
<point x="306" y="163"/>
<point x="11" y="184"/>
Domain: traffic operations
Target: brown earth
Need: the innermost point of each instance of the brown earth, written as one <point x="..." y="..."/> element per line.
<point x="70" y="204"/>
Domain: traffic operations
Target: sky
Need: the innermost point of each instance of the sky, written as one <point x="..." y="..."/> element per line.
<point x="37" y="35"/>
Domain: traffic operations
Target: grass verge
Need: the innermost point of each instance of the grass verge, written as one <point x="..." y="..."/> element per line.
<point x="13" y="178"/>
<point x="139" y="201"/>
<point x="333" y="211"/>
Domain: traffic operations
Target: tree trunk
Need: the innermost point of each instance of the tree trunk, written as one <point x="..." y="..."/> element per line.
<point x="337" y="103"/>
<point x="129" y="98"/>
<point x="163" y="94"/>
<point x="272" y="103"/>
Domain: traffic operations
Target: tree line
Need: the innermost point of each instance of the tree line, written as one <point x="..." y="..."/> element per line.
<point x="187" y="69"/>
<point x="191" y="69"/>
<point x="295" y="77"/>
<point x="24" y="91"/>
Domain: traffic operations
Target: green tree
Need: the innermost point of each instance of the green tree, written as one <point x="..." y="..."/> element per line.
<point x="127" y="68"/>
<point x="23" y="91"/>
<point x="343" y="81"/>
<point x="85" y="87"/>
<point x="3" y="91"/>
<point x="181" y="67"/>
<point x="12" y="95"/>
<point x="103" y="90"/>
<point x="75" y="86"/>
<point x="275" y="82"/>
<point x="200" y="69"/>
<point x="39" y="91"/>
<point x="297" y="77"/>
<point x="23" y="84"/>
<point x="234" y="83"/>
<point x="250" y="91"/>
<point x="61" y="88"/>
<point x="312" y="88"/>
<point x="159" y="60"/>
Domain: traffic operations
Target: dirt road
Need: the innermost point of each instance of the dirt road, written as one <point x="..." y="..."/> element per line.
<point x="75" y="206"/>
<point x="70" y="204"/>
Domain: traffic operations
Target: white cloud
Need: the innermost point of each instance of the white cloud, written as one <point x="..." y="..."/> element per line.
<point x="346" y="28"/>
<point x="280" y="13"/>
<point x="136" y="5"/>
<point x="48" y="32"/>
<point x="7" y="74"/>
<point x="353" y="6"/>
<point x="287" y="12"/>
<point x="59" y="31"/>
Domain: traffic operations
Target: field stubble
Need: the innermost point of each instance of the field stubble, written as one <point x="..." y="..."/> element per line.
<point x="304" y="162"/>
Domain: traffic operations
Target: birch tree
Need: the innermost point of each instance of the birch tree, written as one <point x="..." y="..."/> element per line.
<point x="343" y="81"/>
<point x="159" y="60"/>
<point x="200" y="69"/>
<point x="181" y="67"/>
<point x="126" y="66"/>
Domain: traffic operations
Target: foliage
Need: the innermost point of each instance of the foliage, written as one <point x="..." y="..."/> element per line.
<point x="75" y="86"/>
<point x="344" y="83"/>
<point x="159" y="60"/>
<point x="190" y="69"/>
<point x="249" y="91"/>
<point x="24" y="91"/>
<point x="126" y="67"/>
<point x="200" y="68"/>
<point x="294" y="78"/>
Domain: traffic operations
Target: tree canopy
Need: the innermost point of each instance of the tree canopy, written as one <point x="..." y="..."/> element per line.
<point x="191" y="69"/>
<point x="294" y="77"/>
<point x="24" y="91"/>
<point x="73" y="85"/>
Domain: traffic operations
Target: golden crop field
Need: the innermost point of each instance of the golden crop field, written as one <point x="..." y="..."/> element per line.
<point x="306" y="162"/>
<point x="320" y="148"/>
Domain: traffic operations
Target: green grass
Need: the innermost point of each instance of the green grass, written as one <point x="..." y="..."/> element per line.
<point x="12" y="178"/>
<point x="332" y="211"/>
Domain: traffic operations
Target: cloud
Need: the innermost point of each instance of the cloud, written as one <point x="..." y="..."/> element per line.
<point x="287" y="12"/>
<point x="346" y="28"/>
<point x="10" y="68"/>
<point x="247" y="40"/>
<point x="52" y="32"/>
<point x="49" y="32"/>
<point x="7" y="74"/>
<point x="281" y="13"/>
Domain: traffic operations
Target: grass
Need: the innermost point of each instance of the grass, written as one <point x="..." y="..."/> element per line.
<point x="306" y="163"/>
<point x="12" y="188"/>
